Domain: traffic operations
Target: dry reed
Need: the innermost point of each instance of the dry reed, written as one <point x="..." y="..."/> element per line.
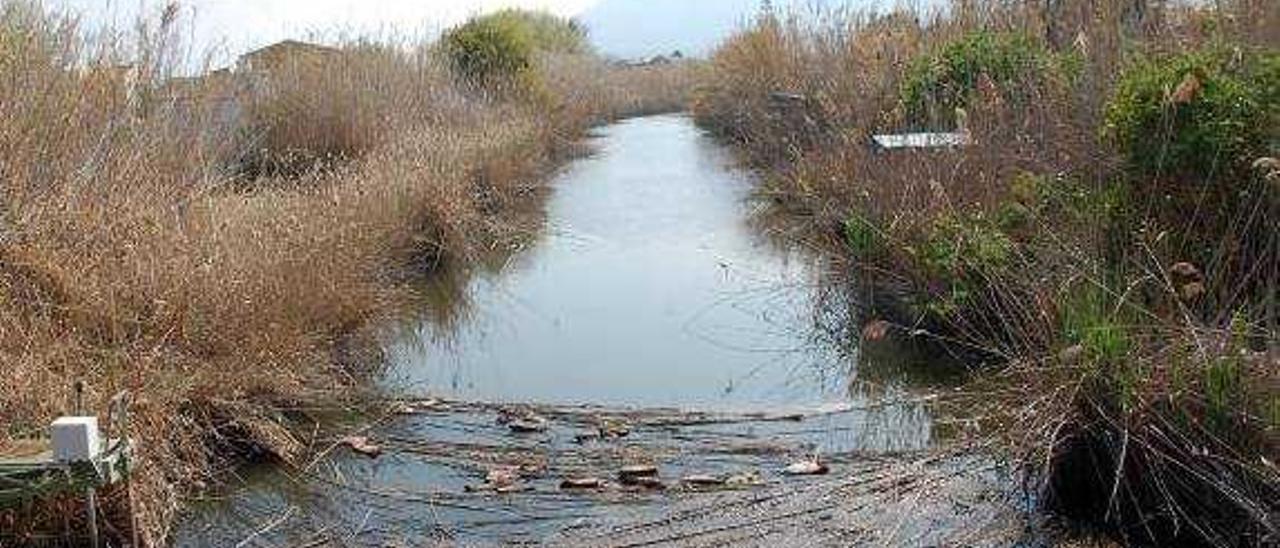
<point x="1148" y="409"/>
<point x="222" y="247"/>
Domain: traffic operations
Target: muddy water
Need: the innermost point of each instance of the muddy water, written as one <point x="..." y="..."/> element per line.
<point x="650" y="287"/>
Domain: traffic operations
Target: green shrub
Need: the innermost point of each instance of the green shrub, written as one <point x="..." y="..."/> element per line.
<point x="1060" y="201"/>
<point x="961" y="253"/>
<point x="1015" y="217"/>
<point x="488" y="50"/>
<point x="957" y="245"/>
<point x="1089" y="319"/>
<point x="861" y="236"/>
<point x="1224" y="381"/>
<point x="1189" y="128"/>
<point x="936" y="84"/>
<point x="1203" y="115"/>
<point x="546" y="32"/>
<point x="501" y="47"/>
<point x="1223" y="391"/>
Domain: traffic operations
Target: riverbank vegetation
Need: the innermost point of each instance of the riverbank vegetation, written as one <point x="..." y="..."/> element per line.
<point x="1104" y="239"/>
<point x="223" y="246"/>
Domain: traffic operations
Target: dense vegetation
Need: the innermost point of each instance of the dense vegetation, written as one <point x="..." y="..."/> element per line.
<point x="500" y="49"/>
<point x="1106" y="243"/>
<point x="227" y="267"/>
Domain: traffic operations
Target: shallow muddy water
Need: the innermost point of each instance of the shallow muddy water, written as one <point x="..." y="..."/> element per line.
<point x="651" y="296"/>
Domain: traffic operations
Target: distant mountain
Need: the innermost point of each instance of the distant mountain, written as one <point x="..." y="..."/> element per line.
<point x="642" y="28"/>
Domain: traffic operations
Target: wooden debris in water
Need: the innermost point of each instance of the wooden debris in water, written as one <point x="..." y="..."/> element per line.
<point x="507" y="416"/>
<point x="523" y="421"/>
<point x="744" y="479"/>
<point x="638" y="474"/>
<point x="362" y="445"/>
<point x="606" y="430"/>
<point x="748" y="465"/>
<point x="416" y="407"/>
<point x="614" y="428"/>
<point x="807" y="467"/>
<point x="503" y="479"/>
<point x="930" y="500"/>
<point x="582" y="483"/>
<point x="503" y="489"/>
<point x="529" y="425"/>
<point x="703" y="480"/>
<point x="646" y="482"/>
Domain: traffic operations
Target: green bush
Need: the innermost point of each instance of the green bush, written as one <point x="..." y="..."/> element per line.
<point x="1203" y="115"/>
<point x="546" y="32"/>
<point x="962" y="253"/>
<point x="501" y="47"/>
<point x="957" y="245"/>
<point x="1060" y="201"/>
<point x="488" y="50"/>
<point x="938" y="83"/>
<point x="1090" y="319"/>
<point x="861" y="236"/>
<point x="1189" y="128"/>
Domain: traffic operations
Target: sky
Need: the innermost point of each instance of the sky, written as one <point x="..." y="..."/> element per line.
<point x="619" y="28"/>
<point x="641" y="28"/>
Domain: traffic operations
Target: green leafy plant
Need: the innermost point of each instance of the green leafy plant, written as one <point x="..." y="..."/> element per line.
<point x="546" y="32"/>
<point x="960" y="254"/>
<point x="861" y="236"/>
<point x="1089" y="319"/>
<point x="936" y="84"/>
<point x="1203" y="115"/>
<point x="1224" y="380"/>
<point x="486" y="50"/>
<point x="502" y="47"/>
<point x="958" y="244"/>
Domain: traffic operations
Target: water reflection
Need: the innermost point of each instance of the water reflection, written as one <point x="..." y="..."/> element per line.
<point x="648" y="288"/>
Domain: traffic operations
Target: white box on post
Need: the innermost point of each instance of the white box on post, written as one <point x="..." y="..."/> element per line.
<point x="75" y="439"/>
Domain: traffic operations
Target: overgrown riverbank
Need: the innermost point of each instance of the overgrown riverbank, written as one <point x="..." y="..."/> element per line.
<point x="224" y="264"/>
<point x="1105" y="239"/>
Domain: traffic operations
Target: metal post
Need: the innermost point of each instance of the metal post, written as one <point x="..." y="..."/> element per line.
<point x="90" y="496"/>
<point x="77" y="399"/>
<point x="91" y="504"/>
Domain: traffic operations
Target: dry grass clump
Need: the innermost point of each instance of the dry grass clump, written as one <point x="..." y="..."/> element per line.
<point x="1126" y="287"/>
<point x="227" y="269"/>
<point x="338" y="105"/>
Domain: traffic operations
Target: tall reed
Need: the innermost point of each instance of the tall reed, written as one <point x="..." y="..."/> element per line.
<point x="1123" y="301"/>
<point x="225" y="247"/>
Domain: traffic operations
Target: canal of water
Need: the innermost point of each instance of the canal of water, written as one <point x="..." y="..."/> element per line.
<point x="651" y="291"/>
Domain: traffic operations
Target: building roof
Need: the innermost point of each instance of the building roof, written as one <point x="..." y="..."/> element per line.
<point x="288" y="46"/>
